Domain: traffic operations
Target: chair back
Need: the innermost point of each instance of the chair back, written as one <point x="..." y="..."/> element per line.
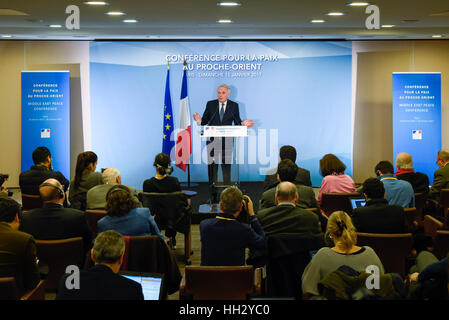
<point x="441" y="243"/>
<point x="57" y="255"/>
<point x="332" y="201"/>
<point x="31" y="201"/>
<point x="170" y="210"/>
<point x="219" y="283"/>
<point x="92" y="217"/>
<point x="431" y="225"/>
<point x="420" y="203"/>
<point x="444" y="203"/>
<point x="412" y="218"/>
<point x="8" y="289"/>
<point x="392" y="249"/>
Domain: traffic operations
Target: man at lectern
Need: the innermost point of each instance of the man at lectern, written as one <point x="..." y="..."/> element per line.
<point x="221" y="112"/>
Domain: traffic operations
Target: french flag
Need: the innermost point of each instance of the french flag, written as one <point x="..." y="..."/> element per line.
<point x="183" y="140"/>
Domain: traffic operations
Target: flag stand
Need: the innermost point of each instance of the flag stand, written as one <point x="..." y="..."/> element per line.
<point x="189" y="184"/>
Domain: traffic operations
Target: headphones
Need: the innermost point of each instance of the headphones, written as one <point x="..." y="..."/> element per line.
<point x="61" y="191"/>
<point x="168" y="170"/>
<point x="117" y="188"/>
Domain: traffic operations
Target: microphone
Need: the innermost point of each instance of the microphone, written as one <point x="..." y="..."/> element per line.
<point x="233" y="115"/>
<point x="208" y="122"/>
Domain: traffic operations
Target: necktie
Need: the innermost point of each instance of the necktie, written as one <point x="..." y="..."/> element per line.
<point x="222" y="112"/>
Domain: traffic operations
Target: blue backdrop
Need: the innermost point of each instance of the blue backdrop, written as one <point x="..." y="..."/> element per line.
<point x="417" y="118"/>
<point x="46" y="117"/>
<point x="299" y="92"/>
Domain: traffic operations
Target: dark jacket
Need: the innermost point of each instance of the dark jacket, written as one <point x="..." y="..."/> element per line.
<point x="101" y="283"/>
<point x="30" y="180"/>
<point x="419" y="181"/>
<point x="224" y="240"/>
<point x="54" y="222"/>
<point x="18" y="258"/>
<point x="211" y="116"/>
<point x="379" y="217"/>
<point x="302" y="178"/>
<point x="286" y="218"/>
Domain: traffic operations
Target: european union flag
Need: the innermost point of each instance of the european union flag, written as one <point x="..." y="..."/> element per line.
<point x="167" y="139"/>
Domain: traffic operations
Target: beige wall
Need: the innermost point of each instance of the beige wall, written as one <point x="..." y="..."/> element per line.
<point x="374" y="62"/>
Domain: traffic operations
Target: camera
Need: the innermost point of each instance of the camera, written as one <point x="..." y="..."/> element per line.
<point x="244" y="216"/>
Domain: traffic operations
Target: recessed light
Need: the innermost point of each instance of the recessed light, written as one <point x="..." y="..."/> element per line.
<point x="317" y="21"/>
<point x="130" y="21"/>
<point x="229" y="4"/>
<point x="96" y="3"/>
<point x="335" y="14"/>
<point x="388" y="26"/>
<point x="437" y="36"/>
<point x="224" y="21"/>
<point x="115" y="13"/>
<point x="358" y="4"/>
<point x="55" y="26"/>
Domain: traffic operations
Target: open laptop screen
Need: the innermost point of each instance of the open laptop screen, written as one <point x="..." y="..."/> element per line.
<point x="357" y="202"/>
<point x="152" y="284"/>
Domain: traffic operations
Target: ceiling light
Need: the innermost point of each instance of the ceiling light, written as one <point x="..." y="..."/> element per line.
<point x="437" y="36"/>
<point x="224" y="21"/>
<point x="97" y="3"/>
<point x="6" y="36"/>
<point x="317" y="21"/>
<point x="335" y="14"/>
<point x="388" y="26"/>
<point x="55" y="26"/>
<point x="130" y="21"/>
<point x="357" y="4"/>
<point x="115" y="13"/>
<point x="229" y="4"/>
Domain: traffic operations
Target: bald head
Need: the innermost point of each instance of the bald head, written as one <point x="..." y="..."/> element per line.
<point x="404" y="161"/>
<point x="286" y="192"/>
<point x="51" y="191"/>
<point x="111" y="175"/>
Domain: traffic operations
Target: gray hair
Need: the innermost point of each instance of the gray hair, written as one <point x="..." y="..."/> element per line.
<point x="443" y="155"/>
<point x="286" y="191"/>
<point x="231" y="199"/>
<point x="108" y="247"/>
<point x="110" y="174"/>
<point x="224" y="86"/>
<point x="404" y="161"/>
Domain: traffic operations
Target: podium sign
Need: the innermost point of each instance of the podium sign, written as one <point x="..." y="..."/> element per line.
<point x="225" y="131"/>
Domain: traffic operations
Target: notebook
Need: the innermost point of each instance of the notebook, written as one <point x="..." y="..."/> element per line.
<point x="152" y="283"/>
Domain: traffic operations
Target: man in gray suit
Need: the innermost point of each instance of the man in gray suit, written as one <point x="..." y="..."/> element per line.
<point x="286" y="216"/>
<point x="96" y="196"/>
<point x="287" y="171"/>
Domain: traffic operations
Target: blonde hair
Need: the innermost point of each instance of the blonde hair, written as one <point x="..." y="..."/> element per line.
<point x="340" y="226"/>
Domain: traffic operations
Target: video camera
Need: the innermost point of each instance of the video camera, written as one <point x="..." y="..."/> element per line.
<point x="3" y="178"/>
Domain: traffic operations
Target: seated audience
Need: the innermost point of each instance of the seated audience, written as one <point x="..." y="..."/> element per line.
<point x="162" y="182"/>
<point x="286" y="216"/>
<point x="405" y="171"/>
<point x="53" y="221"/>
<point x="96" y="196"/>
<point x="429" y="277"/>
<point x="399" y="192"/>
<point x="302" y="175"/>
<point x="85" y="179"/>
<point x="345" y="252"/>
<point x="42" y="170"/>
<point x="377" y="216"/>
<point x="223" y="238"/>
<point x="287" y="171"/>
<point x="335" y="179"/>
<point x="125" y="217"/>
<point x="102" y="281"/>
<point x="440" y="176"/>
<point x="17" y="249"/>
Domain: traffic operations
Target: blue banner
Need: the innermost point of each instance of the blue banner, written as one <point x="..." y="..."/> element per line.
<point x="46" y="117"/>
<point x="417" y="118"/>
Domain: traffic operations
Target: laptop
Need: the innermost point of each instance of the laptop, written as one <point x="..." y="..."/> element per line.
<point x="357" y="202"/>
<point x="153" y="284"/>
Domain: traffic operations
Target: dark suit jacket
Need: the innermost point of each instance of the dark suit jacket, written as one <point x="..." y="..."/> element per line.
<point x="286" y="218"/>
<point x="54" y="222"/>
<point x="440" y="181"/>
<point x="211" y="115"/>
<point x="418" y="180"/>
<point x="101" y="283"/>
<point x="30" y="180"/>
<point x="18" y="258"/>
<point x="306" y="198"/>
<point x="224" y="240"/>
<point x="379" y="217"/>
<point x="302" y="177"/>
